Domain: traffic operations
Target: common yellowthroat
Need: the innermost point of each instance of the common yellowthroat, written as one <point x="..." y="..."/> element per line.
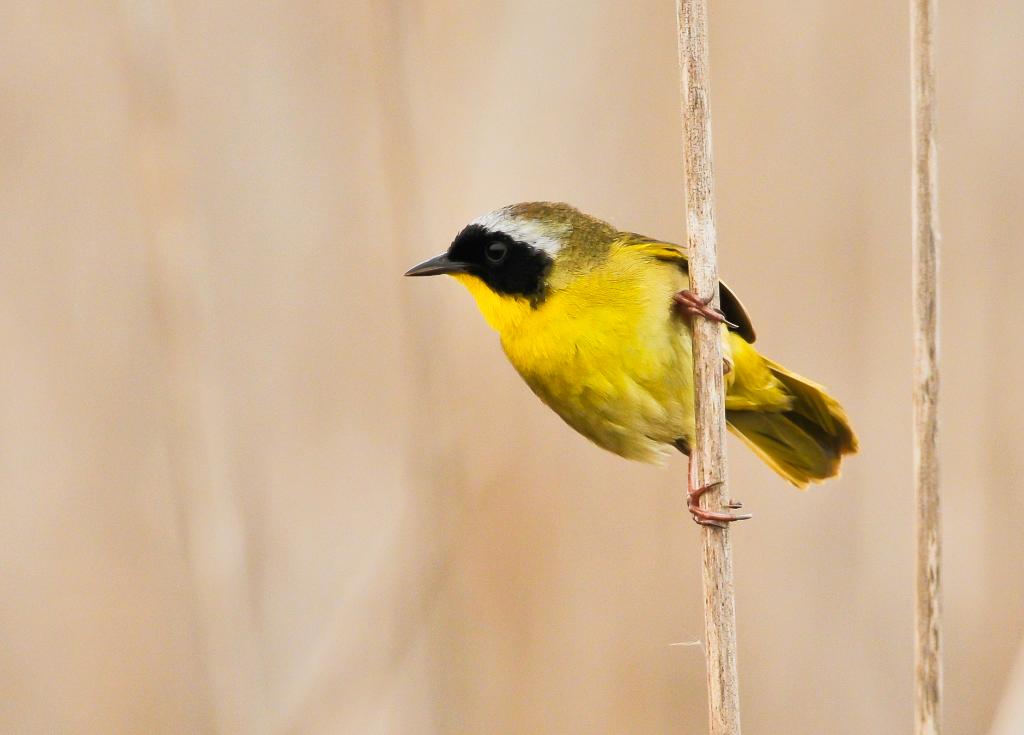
<point x="597" y="322"/>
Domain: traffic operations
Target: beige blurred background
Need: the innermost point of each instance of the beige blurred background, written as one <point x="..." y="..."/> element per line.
<point x="253" y="481"/>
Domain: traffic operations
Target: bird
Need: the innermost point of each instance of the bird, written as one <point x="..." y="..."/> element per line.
<point x="598" y="322"/>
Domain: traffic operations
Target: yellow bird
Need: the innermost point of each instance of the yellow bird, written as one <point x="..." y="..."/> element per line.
<point x="597" y="322"/>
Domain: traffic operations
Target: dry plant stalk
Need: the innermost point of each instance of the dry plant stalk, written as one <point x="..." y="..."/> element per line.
<point x="708" y="463"/>
<point x="928" y="609"/>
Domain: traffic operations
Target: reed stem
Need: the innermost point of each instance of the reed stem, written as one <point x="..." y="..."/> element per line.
<point x="928" y="609"/>
<point x="708" y="459"/>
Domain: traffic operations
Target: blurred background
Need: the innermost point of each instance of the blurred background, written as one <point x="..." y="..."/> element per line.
<point x="253" y="481"/>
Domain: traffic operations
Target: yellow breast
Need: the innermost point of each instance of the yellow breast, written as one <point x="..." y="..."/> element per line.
<point x="607" y="352"/>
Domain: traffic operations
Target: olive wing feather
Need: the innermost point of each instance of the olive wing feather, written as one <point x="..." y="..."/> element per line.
<point x="731" y="306"/>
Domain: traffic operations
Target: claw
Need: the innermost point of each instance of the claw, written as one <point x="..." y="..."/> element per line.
<point x="693" y="305"/>
<point x="699" y="514"/>
<point x="707" y="517"/>
<point x="706" y="522"/>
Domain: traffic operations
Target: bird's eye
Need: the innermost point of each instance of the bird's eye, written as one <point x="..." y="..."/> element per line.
<point x="496" y="252"/>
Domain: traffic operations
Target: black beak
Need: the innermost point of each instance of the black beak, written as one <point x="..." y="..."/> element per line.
<point x="437" y="266"/>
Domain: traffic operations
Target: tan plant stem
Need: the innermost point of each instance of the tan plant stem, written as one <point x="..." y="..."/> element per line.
<point x="708" y="457"/>
<point x="928" y="645"/>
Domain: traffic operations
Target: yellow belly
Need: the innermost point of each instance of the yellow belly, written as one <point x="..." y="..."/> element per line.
<point x="608" y="354"/>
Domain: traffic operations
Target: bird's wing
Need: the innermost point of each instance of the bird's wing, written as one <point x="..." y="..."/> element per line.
<point x="732" y="307"/>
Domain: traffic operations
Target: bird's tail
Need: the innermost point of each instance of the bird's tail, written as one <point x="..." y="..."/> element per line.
<point x="803" y="440"/>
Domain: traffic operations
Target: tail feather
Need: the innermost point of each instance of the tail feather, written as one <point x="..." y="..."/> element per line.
<point x="805" y="442"/>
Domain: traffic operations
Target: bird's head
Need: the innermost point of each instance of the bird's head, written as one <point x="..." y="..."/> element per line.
<point x="512" y="258"/>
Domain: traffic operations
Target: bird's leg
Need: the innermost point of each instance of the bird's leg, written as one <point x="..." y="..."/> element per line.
<point x="692" y="305"/>
<point x="709" y="517"/>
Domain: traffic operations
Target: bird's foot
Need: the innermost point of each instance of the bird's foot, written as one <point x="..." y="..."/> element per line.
<point x="710" y="517"/>
<point x="691" y="305"/>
